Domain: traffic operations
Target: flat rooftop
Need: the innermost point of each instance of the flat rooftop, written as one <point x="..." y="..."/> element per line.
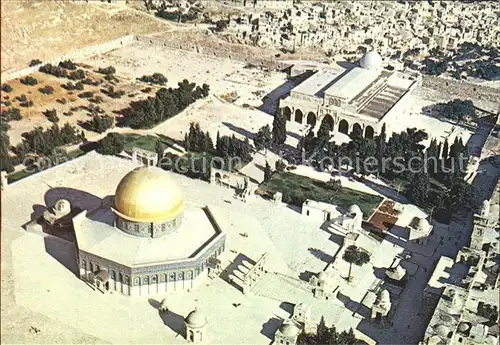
<point x="316" y="84"/>
<point x="352" y="83"/>
<point x="98" y="236"/>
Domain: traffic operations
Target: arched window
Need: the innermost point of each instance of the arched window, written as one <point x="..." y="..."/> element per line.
<point x="171" y="277"/>
<point x="137" y="280"/>
<point x="84" y="264"/>
<point x="146" y="280"/>
<point x="154" y="279"/>
<point x="126" y="279"/>
<point x="180" y="276"/>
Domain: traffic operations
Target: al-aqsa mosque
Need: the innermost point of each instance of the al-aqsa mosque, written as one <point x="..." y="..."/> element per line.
<point x="147" y="241"/>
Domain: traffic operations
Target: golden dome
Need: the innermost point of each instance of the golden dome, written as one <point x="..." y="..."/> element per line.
<point x="148" y="194"/>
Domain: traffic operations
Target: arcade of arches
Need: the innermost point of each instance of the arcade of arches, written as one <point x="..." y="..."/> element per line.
<point x="342" y="126"/>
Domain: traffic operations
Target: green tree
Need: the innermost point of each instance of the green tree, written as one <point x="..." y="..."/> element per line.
<point x="280" y="165"/>
<point x="347" y="338"/>
<point x="263" y="139"/>
<point x="323" y="135"/>
<point x="322" y="332"/>
<point x="111" y="144"/>
<point x="267" y="172"/>
<point x="418" y="189"/>
<point x="159" y="149"/>
<point x="279" y="128"/>
<point x="354" y="255"/>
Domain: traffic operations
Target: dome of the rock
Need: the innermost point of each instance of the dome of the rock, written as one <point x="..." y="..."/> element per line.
<point x="148" y="194"/>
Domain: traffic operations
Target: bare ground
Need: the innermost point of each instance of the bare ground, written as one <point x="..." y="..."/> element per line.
<point x="47" y="29"/>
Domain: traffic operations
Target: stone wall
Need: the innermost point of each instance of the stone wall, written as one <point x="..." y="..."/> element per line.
<point x="222" y="51"/>
<point x="76" y="55"/>
<point x="461" y="89"/>
<point x="274" y="4"/>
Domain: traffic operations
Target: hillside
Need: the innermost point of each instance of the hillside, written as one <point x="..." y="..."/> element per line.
<point x="46" y="29"/>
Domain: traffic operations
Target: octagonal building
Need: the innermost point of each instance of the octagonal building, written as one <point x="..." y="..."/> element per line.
<point x="148" y="240"/>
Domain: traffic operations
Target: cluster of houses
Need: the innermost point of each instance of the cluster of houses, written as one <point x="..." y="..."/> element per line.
<point x="349" y="29"/>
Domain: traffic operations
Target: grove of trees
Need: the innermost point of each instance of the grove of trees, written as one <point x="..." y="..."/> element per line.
<point x="434" y="175"/>
<point x="325" y="335"/>
<point x="99" y="124"/>
<point x="166" y="103"/>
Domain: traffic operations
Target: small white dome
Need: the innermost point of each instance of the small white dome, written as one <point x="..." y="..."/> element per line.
<point x="383" y="297"/>
<point x="354" y="209"/>
<point x="463" y="327"/>
<point x="195" y="319"/>
<point x="434" y="340"/>
<point x="288" y="329"/>
<point x="422" y="224"/>
<point x="371" y="60"/>
<point x="62" y="206"/>
<point x="441" y="330"/>
<point x="322" y="276"/>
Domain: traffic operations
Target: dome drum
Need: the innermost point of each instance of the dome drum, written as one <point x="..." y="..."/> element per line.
<point x="143" y="229"/>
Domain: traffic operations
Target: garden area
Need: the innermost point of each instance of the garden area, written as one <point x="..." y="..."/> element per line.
<point x="296" y="189"/>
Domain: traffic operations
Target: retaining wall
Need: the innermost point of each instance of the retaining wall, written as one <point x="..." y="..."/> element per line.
<point x="80" y="54"/>
<point x="461" y="89"/>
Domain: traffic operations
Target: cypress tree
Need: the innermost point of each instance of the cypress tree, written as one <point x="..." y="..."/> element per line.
<point x="445" y="149"/>
<point x="279" y="128"/>
<point x="267" y="172"/>
<point x="418" y="190"/>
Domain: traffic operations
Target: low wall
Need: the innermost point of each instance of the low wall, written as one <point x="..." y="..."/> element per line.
<point x="80" y="54"/>
<point x="274" y="4"/>
<point x="223" y="52"/>
<point x="461" y="89"/>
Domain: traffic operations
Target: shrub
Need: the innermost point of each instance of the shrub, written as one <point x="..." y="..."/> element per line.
<point x="68" y="113"/>
<point x="70" y="86"/>
<point x="96" y="99"/>
<point x="86" y="94"/>
<point x="22" y="98"/>
<point x="28" y="80"/>
<point x="12" y="114"/>
<point x="77" y="75"/>
<point x="111" y="78"/>
<point x="6" y="88"/>
<point x="93" y="109"/>
<point x="62" y="100"/>
<point x="111" y="92"/>
<point x="89" y="81"/>
<point x="47" y="90"/>
<point x="155" y="78"/>
<point x="51" y="115"/>
<point x="35" y="62"/>
<point x="54" y="70"/>
<point x="107" y="70"/>
<point x="146" y="90"/>
<point x="26" y="104"/>
<point x="6" y="103"/>
<point x="68" y="64"/>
